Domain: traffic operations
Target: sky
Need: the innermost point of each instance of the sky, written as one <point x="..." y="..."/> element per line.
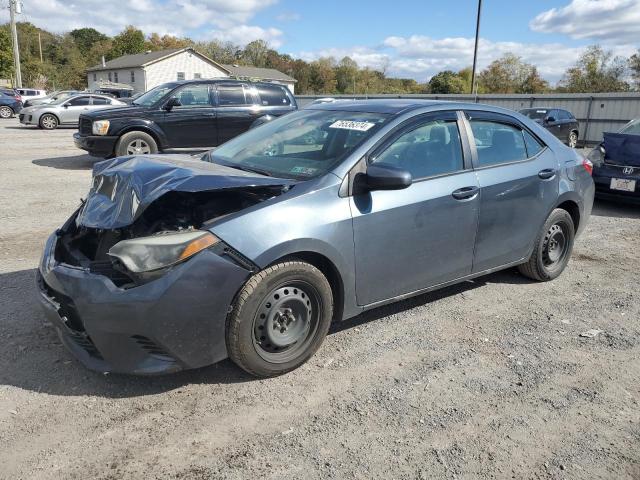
<point x="407" y="38"/>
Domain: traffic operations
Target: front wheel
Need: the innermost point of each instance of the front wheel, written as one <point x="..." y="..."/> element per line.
<point x="136" y="143"/>
<point x="552" y="249"/>
<point x="48" y="122"/>
<point x="280" y="318"/>
<point x="6" y="112"/>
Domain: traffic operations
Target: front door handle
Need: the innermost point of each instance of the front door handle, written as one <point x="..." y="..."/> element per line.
<point x="547" y="173"/>
<point x="465" y="193"/>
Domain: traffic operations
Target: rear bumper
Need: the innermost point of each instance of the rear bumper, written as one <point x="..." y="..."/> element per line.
<point x="96" y="145"/>
<point x="602" y="177"/>
<point x="173" y="323"/>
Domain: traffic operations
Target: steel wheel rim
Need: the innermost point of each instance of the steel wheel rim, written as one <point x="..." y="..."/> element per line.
<point x="138" y="147"/>
<point x="48" y="121"/>
<point x="555" y="247"/>
<point x="5" y="112"/>
<point x="573" y="140"/>
<point x="286" y="322"/>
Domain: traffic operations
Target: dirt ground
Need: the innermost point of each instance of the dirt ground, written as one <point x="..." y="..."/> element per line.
<point x="489" y="378"/>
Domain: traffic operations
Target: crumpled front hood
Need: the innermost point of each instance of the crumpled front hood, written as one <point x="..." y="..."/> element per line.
<point x="622" y="149"/>
<point x="124" y="187"/>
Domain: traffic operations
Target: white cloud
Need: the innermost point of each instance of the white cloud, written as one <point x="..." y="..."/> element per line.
<point x="288" y="17"/>
<point x="243" y="34"/>
<point x="220" y="18"/>
<point x="615" y="21"/>
<point x="421" y="57"/>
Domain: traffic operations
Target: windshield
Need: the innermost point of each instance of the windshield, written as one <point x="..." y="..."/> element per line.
<point x="535" y="114"/>
<point x="632" y="128"/>
<point x="152" y="96"/>
<point x="63" y="97"/>
<point x="301" y="145"/>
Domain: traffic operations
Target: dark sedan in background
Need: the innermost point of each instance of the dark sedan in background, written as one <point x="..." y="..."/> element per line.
<point x="10" y="102"/>
<point x="560" y="122"/>
<point x="251" y="252"/>
<point x="183" y="115"/>
<point x="616" y="164"/>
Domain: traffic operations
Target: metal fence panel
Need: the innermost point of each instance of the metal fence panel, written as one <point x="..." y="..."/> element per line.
<point x="597" y="113"/>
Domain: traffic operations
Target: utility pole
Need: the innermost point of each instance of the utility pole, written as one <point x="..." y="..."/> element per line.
<point x="13" y="9"/>
<point x="40" y="46"/>
<point x="474" y="89"/>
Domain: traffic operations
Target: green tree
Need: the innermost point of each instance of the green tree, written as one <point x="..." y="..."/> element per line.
<point x="346" y="73"/>
<point x="323" y="75"/>
<point x="221" y="52"/>
<point x="447" y="82"/>
<point x="596" y="71"/>
<point x="6" y="54"/>
<point x="129" y="41"/>
<point x="86" y="38"/>
<point x="255" y="53"/>
<point x="634" y="66"/>
<point x="165" y="42"/>
<point x="509" y="74"/>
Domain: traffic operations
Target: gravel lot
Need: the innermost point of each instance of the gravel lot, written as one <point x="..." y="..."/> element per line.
<point x="486" y="379"/>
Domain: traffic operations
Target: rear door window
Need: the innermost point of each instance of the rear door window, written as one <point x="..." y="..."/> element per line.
<point x="194" y="96"/>
<point x="497" y="142"/>
<point x="234" y="95"/>
<point x="79" y="101"/>
<point x="101" y="101"/>
<point x="273" y="95"/>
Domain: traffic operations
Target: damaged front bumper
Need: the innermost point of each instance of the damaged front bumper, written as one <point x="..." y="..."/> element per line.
<point x="172" y="323"/>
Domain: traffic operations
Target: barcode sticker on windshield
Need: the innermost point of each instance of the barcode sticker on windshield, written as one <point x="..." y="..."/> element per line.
<point x="351" y="125"/>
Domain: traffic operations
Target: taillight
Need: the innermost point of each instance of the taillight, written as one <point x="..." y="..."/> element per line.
<point x="588" y="166"/>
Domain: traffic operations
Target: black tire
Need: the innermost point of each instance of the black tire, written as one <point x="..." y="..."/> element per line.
<point x="272" y="301"/>
<point x="48" y="121"/>
<point x="572" y="139"/>
<point x="552" y="248"/>
<point x="136" y="143"/>
<point x="6" y="112"/>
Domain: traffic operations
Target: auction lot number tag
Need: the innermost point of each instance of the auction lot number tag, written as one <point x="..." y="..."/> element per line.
<point x="352" y="125"/>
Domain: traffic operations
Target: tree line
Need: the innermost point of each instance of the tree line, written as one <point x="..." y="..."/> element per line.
<point x="56" y="61"/>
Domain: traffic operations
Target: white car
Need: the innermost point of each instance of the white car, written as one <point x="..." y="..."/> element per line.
<point x="30" y="93"/>
<point x="66" y="110"/>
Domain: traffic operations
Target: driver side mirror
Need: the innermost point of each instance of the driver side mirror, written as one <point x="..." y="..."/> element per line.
<point x="382" y="176"/>
<point x="550" y="119"/>
<point x="173" y="102"/>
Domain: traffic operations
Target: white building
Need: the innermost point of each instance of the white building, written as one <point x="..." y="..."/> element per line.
<point x="143" y="71"/>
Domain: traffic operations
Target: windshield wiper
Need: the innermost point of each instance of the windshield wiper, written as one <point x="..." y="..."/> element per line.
<point x="244" y="168"/>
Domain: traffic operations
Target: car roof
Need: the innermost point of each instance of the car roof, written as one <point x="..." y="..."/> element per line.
<point x="219" y="80"/>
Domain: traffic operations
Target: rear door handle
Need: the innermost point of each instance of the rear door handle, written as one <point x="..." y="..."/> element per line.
<point x="465" y="193"/>
<point x="547" y="173"/>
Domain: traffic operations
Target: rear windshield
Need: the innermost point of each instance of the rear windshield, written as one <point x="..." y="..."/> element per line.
<point x="535" y="114"/>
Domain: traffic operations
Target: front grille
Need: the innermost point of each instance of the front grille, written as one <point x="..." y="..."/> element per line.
<point x="85" y="126"/>
<point x="30" y="117"/>
<point x="105" y="268"/>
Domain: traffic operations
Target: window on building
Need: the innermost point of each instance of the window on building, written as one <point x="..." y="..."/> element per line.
<point x="95" y="77"/>
<point x="133" y="76"/>
<point x="197" y="75"/>
<point x="115" y="77"/>
<point x="109" y="76"/>
<point x="180" y="75"/>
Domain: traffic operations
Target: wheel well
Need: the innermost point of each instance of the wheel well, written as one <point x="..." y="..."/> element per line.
<point x="329" y="270"/>
<point x="574" y="211"/>
<point x="148" y="131"/>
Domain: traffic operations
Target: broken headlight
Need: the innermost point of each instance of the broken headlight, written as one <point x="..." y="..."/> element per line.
<point x="146" y="254"/>
<point x="100" y="127"/>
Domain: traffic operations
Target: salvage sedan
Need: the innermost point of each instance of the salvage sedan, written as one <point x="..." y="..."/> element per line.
<point x="252" y="252"/>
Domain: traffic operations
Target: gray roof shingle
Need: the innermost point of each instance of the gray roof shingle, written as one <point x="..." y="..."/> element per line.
<point x="140" y="59"/>
<point x="259" y="73"/>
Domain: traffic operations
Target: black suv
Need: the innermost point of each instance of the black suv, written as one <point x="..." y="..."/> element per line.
<point x="182" y="115"/>
<point x="560" y="122"/>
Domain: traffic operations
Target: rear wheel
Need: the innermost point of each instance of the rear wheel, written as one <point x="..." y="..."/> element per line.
<point x="6" y="112"/>
<point x="48" y="121"/>
<point x="280" y="319"/>
<point x="572" y="141"/>
<point x="552" y="249"/>
<point x="136" y="143"/>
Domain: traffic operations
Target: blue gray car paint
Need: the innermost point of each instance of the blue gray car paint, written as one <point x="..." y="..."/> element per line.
<point x="433" y="243"/>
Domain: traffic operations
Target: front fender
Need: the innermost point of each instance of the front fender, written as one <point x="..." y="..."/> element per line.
<point x="121" y="126"/>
